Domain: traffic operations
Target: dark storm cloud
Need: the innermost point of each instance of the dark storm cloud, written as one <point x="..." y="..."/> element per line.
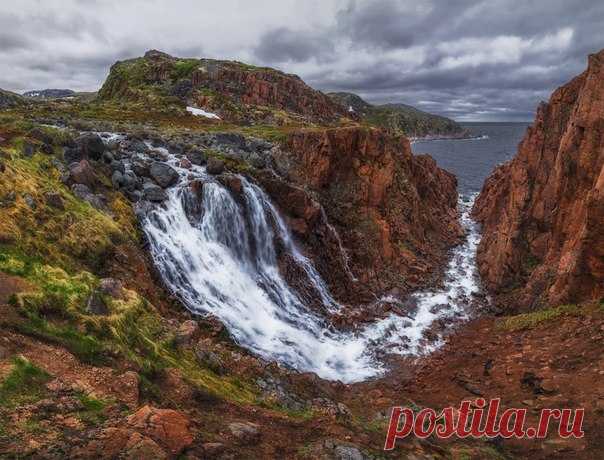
<point x="285" y="45"/>
<point x="510" y="53"/>
<point x="492" y="59"/>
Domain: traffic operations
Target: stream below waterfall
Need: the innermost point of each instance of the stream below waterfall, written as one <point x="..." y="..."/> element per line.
<point x="222" y="260"/>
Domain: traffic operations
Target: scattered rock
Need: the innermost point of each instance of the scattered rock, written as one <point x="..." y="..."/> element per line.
<point x="163" y="174"/>
<point x="117" y="179"/>
<point x="126" y="390"/>
<point x="186" y="331"/>
<point x="209" y="359"/>
<point x="215" y="166"/>
<point x="331" y="408"/>
<point x="186" y="164"/>
<point x="348" y="453"/>
<point x="174" y="386"/>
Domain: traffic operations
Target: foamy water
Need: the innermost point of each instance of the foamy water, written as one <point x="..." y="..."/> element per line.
<point x="223" y="261"/>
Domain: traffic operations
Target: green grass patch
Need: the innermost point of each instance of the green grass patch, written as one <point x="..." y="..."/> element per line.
<point x="24" y="384"/>
<point x="93" y="409"/>
<point x="533" y="319"/>
<point x="85" y="347"/>
<point x="184" y="68"/>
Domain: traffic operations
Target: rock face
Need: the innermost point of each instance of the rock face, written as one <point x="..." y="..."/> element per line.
<point x="226" y="87"/>
<point x="395" y="213"/>
<point x="542" y="213"/>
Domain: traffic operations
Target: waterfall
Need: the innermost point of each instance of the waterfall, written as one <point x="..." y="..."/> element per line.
<point x="218" y="253"/>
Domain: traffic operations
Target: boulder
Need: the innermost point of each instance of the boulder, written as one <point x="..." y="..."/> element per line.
<point x="168" y="428"/>
<point x="232" y="182"/>
<point x="117" y="179"/>
<point x="163" y="174"/>
<point x="215" y="166"/>
<point x="28" y="149"/>
<point x="153" y="192"/>
<point x="140" y="168"/>
<point x="137" y="146"/>
<point x="83" y="192"/>
<point x="175" y="388"/>
<point x="108" y="156"/>
<point x="197" y="157"/>
<point x="91" y="145"/>
<point x="96" y="304"/>
<point x="112" y="288"/>
<point x="117" y="165"/>
<point x="83" y="173"/>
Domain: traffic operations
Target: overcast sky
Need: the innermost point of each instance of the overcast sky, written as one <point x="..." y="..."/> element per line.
<point x="470" y="60"/>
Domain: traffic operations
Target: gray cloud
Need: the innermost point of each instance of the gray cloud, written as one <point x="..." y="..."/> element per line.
<point x="285" y="45"/>
<point x="488" y="60"/>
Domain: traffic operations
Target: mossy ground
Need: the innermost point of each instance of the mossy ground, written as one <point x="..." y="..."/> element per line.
<point x="60" y="251"/>
<point x="24" y="384"/>
<point x="545" y="316"/>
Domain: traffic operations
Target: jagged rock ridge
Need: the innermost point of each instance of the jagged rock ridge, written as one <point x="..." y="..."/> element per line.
<point x="542" y="213"/>
<point x="237" y="92"/>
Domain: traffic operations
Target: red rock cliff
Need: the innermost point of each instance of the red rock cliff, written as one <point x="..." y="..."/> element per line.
<point x="396" y="213"/>
<point x="543" y="212"/>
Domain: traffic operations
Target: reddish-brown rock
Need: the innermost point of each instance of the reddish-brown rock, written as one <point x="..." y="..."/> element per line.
<point x="543" y="212"/>
<point x="237" y="92"/>
<point x="260" y="86"/>
<point x="167" y="427"/>
<point x="395" y="213"/>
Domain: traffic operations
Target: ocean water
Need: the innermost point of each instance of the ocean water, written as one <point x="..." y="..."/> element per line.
<point x="472" y="160"/>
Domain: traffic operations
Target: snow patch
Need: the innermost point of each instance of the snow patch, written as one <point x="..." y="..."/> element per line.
<point x="202" y="113"/>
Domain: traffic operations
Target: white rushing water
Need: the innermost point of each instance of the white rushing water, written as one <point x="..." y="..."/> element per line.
<point x="219" y="255"/>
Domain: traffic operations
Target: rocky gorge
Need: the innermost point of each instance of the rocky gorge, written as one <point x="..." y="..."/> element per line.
<point x="176" y="285"/>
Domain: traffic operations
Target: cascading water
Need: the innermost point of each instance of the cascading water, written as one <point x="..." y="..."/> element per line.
<point x="222" y="259"/>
